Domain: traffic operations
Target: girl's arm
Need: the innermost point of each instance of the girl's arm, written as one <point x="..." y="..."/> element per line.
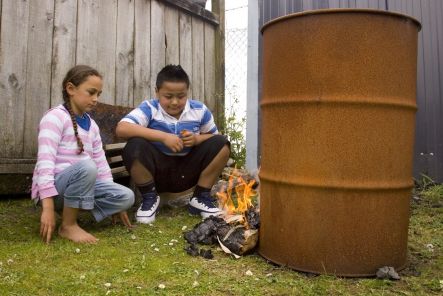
<point x="98" y="155"/>
<point x="49" y="137"/>
<point x="47" y="219"/>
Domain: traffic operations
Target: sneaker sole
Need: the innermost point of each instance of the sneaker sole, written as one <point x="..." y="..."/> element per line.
<point x="145" y="220"/>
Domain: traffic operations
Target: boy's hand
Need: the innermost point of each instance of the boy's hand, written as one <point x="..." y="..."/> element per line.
<point x="47" y="224"/>
<point x="173" y="142"/>
<point x="189" y="139"/>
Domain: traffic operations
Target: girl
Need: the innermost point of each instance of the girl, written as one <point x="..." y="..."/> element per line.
<point x="71" y="171"/>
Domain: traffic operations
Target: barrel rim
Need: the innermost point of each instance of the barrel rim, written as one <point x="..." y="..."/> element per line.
<point x="340" y="10"/>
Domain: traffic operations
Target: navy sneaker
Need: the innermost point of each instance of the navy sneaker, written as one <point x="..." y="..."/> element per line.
<point x="148" y="208"/>
<point x="204" y="205"/>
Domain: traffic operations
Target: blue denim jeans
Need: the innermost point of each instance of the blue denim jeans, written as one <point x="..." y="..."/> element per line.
<point x="79" y="188"/>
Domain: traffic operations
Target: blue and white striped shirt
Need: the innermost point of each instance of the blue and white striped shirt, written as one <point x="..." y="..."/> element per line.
<point x="195" y="118"/>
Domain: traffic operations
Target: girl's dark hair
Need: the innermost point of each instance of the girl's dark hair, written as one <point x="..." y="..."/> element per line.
<point x="76" y="75"/>
<point x="171" y="73"/>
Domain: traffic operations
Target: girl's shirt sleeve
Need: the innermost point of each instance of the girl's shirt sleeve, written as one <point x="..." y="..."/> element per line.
<point x="98" y="155"/>
<point x="49" y="137"/>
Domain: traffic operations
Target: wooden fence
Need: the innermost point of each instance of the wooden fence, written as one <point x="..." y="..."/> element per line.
<point x="128" y="41"/>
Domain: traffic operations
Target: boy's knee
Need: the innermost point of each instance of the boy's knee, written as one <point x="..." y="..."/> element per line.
<point x="134" y="148"/>
<point x="219" y="140"/>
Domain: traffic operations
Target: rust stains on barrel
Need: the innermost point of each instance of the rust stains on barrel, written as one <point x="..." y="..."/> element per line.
<point x="338" y="120"/>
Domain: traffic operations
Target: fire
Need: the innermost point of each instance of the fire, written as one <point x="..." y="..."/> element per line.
<point x="239" y="188"/>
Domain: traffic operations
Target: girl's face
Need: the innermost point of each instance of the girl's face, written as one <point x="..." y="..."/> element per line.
<point x="172" y="96"/>
<point x="84" y="97"/>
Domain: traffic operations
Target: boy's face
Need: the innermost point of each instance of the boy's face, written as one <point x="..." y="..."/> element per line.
<point x="172" y="97"/>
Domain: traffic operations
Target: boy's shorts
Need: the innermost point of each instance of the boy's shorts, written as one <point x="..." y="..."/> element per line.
<point x="173" y="173"/>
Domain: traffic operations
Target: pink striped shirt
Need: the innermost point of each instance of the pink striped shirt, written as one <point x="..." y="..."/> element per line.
<point x="57" y="150"/>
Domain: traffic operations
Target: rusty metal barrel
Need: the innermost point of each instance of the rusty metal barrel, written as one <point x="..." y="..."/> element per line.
<point x="338" y="122"/>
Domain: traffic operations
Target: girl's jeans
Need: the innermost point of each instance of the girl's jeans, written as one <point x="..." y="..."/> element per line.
<point x="78" y="188"/>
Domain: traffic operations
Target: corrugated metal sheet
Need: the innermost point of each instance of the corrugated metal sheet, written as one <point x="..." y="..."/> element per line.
<point x="428" y="155"/>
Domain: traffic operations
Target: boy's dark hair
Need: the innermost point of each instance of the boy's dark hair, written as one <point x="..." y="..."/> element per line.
<point x="171" y="73"/>
<point x="76" y="75"/>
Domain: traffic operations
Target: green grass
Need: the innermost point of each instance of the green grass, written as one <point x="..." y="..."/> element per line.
<point x="130" y="263"/>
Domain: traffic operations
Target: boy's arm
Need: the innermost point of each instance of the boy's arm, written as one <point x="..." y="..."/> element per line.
<point x="128" y="130"/>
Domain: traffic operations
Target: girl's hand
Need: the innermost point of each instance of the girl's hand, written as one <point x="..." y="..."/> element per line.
<point x="122" y="216"/>
<point x="189" y="139"/>
<point x="47" y="224"/>
<point x="173" y="142"/>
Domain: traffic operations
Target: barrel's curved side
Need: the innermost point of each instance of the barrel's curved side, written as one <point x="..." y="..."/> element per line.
<point x="338" y="123"/>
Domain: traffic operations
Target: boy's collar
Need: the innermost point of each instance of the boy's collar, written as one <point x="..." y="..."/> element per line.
<point x="186" y="109"/>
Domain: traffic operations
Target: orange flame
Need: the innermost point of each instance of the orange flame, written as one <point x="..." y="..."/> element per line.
<point x="243" y="193"/>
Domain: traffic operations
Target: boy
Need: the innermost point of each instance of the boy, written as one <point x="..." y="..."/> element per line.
<point x="173" y="145"/>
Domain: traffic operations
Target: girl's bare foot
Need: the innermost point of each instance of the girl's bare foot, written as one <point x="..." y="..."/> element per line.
<point x="76" y="234"/>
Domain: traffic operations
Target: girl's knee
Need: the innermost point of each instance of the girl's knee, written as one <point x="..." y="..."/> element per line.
<point x="88" y="169"/>
<point x="127" y="198"/>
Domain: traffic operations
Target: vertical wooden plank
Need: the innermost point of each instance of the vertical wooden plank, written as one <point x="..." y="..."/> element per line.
<point x="210" y="97"/>
<point x="13" y="51"/>
<point x="38" y="70"/>
<point x="186" y="45"/>
<point x="172" y="35"/>
<point x="142" y="51"/>
<point x="198" y="59"/>
<point x="63" y="46"/>
<point x="124" y="74"/>
<point x="87" y="32"/>
<point x="106" y="48"/>
<point x="157" y="41"/>
<point x="96" y="41"/>
<point x="219" y="9"/>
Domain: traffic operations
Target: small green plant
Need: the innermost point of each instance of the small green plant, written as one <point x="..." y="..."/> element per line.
<point x="429" y="189"/>
<point x="233" y="128"/>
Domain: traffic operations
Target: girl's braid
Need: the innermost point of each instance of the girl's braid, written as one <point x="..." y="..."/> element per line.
<point x="75" y="125"/>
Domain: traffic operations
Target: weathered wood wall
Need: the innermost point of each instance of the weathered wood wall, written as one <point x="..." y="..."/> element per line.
<point x="429" y="138"/>
<point x="128" y="41"/>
